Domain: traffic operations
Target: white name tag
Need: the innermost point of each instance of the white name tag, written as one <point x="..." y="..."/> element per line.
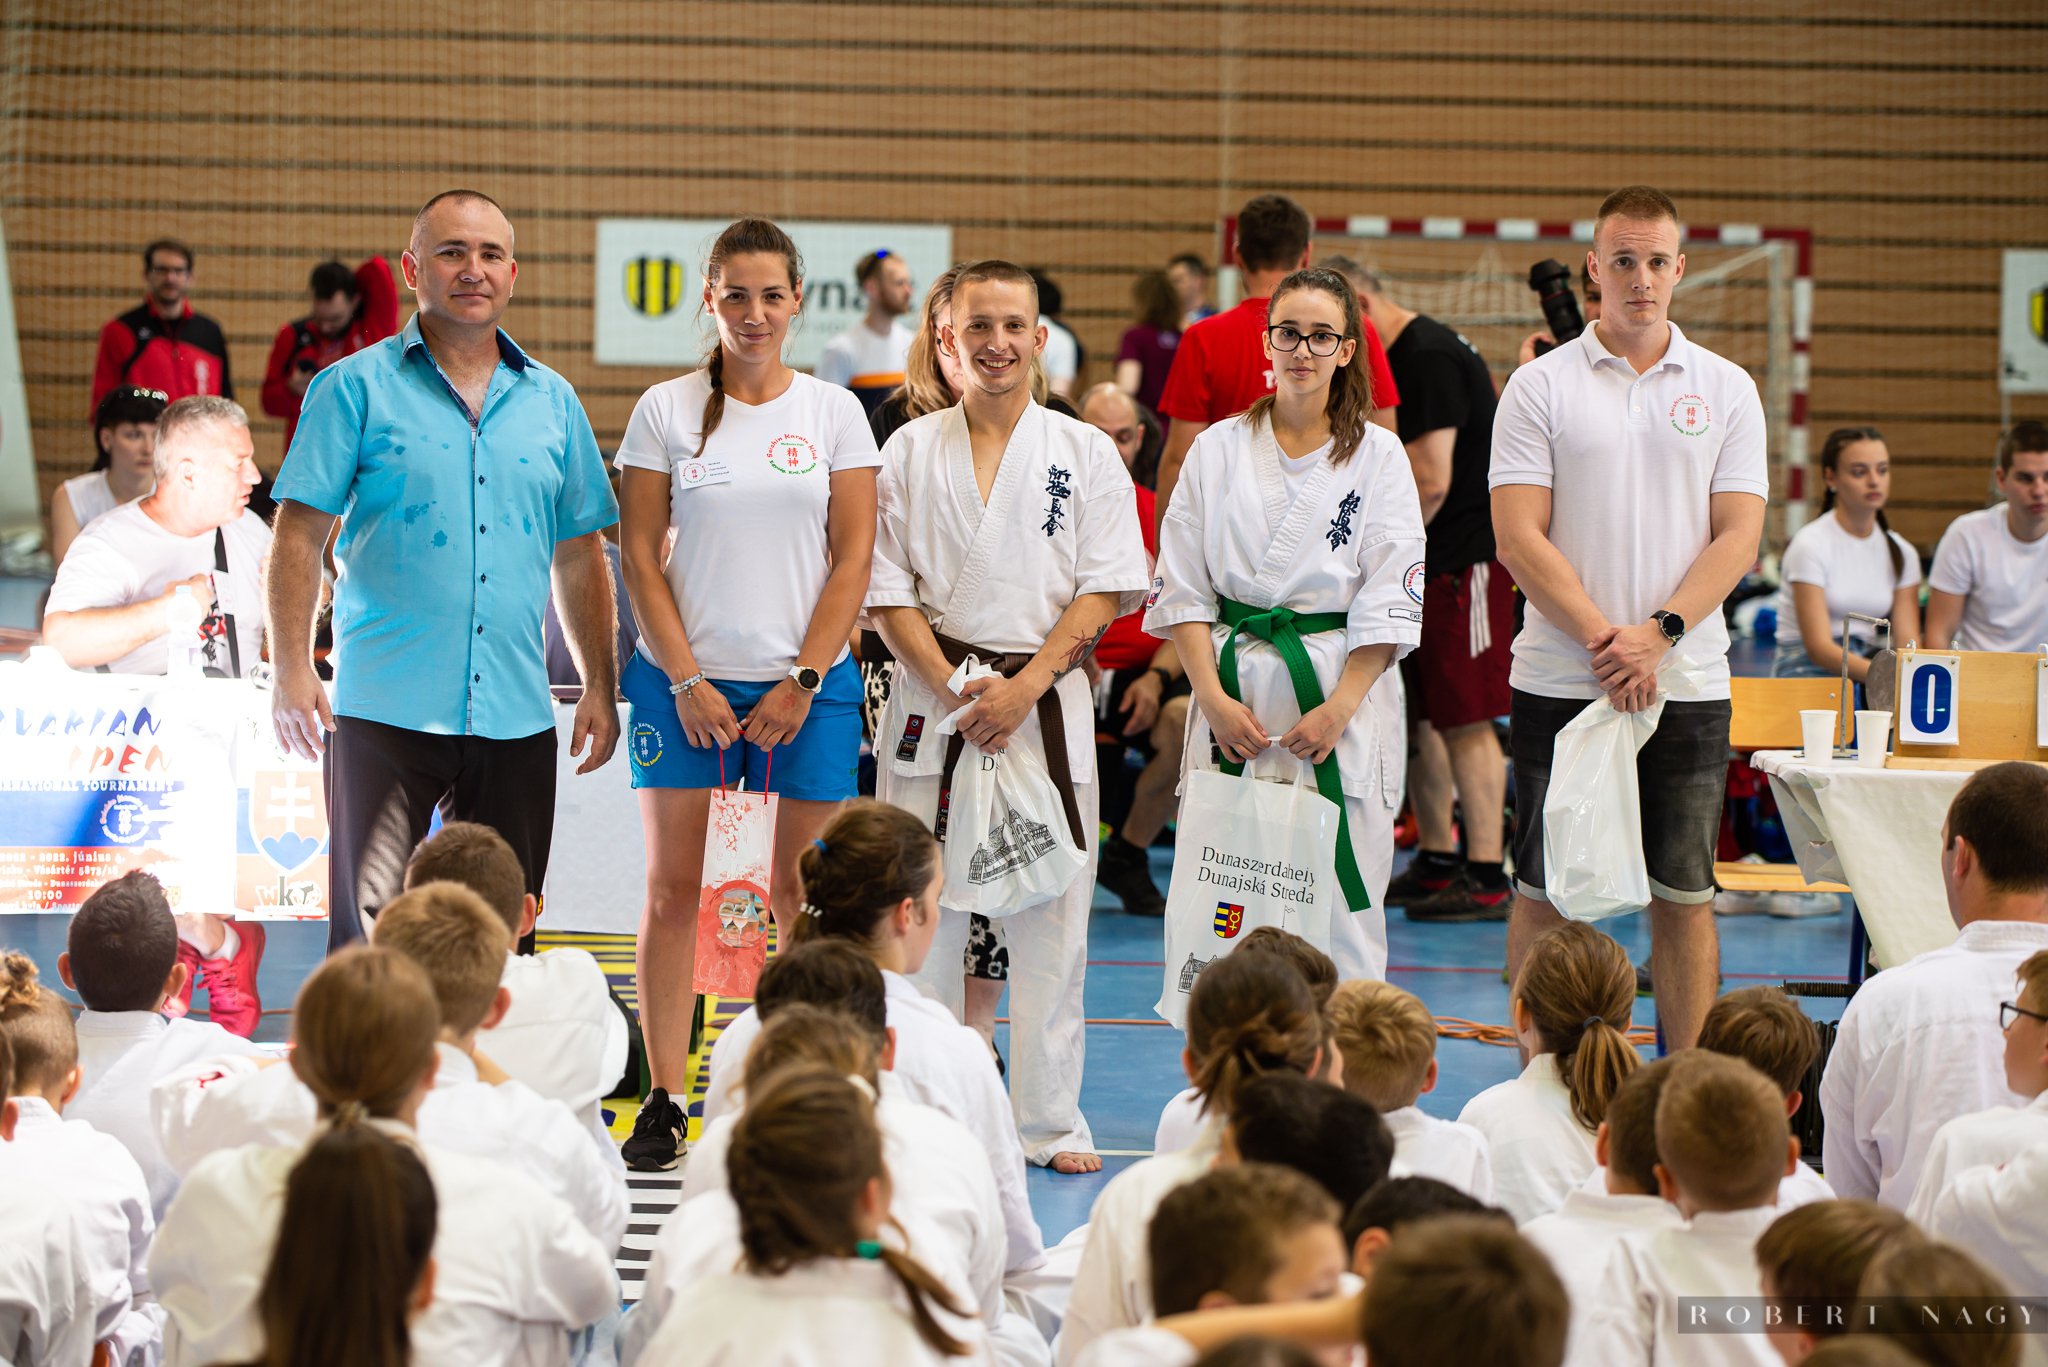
<point x="695" y="474"/>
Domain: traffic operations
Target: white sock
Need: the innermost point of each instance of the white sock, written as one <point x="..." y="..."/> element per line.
<point x="230" y="942"/>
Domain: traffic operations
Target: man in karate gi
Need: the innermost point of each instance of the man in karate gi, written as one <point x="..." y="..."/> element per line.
<point x="1010" y="533"/>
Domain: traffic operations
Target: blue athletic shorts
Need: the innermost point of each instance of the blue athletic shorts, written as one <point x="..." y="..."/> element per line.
<point x="820" y="765"/>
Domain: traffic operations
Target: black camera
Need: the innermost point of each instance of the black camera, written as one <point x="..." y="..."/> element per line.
<point x="1552" y="281"/>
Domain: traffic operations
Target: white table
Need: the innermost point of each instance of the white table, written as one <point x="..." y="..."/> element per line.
<point x="1879" y="831"/>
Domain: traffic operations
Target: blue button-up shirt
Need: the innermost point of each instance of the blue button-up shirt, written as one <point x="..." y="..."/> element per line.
<point x="448" y="531"/>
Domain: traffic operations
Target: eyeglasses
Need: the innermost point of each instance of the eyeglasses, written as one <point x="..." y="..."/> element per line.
<point x="1320" y="342"/>
<point x="2008" y="1012"/>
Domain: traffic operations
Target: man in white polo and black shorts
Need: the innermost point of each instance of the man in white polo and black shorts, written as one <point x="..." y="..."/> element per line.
<point x="1629" y="481"/>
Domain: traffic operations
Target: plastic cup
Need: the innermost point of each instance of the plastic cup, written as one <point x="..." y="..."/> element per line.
<point x="1873" y="733"/>
<point x="1817" y="730"/>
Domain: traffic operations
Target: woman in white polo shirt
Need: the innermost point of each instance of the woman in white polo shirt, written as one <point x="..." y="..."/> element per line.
<point x="765" y="480"/>
<point x="1846" y="560"/>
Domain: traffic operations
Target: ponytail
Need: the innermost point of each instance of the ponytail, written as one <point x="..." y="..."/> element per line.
<point x="1579" y="988"/>
<point x="353" y="1244"/>
<point x="1830" y="460"/>
<point x="803" y="1152"/>
<point x="866" y="862"/>
<point x="1349" y="407"/>
<point x="1249" y="1014"/>
<point x="363" y="1032"/>
<point x="743" y="237"/>
<point x="37" y="1023"/>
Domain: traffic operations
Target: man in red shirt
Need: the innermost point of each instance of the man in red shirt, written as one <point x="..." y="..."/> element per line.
<point x="162" y="344"/>
<point x="351" y="310"/>
<point x="1220" y="366"/>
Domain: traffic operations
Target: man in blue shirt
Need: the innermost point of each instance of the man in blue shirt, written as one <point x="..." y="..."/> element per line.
<point x="465" y="476"/>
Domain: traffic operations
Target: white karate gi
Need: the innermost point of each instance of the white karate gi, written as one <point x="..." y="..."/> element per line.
<point x="57" y="1299"/>
<point x="1633" y="1316"/>
<point x="1113" y="1285"/>
<point x="562" y="1035"/>
<point x="227" y="1103"/>
<point x="1803" y="1187"/>
<point x="1060" y="522"/>
<point x="1426" y="1146"/>
<point x="1180" y="1122"/>
<point x="1918" y="1046"/>
<point x="121" y="1055"/>
<point x="515" y="1273"/>
<point x="96" y="1173"/>
<point x="1579" y="1237"/>
<point x="2000" y="1214"/>
<point x="1141" y="1347"/>
<point x="1985" y="1139"/>
<point x="1341" y="538"/>
<point x="940" y="1063"/>
<point x="1540" y="1151"/>
<point x="823" y="1314"/>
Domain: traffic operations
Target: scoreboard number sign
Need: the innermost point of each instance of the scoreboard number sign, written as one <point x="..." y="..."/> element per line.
<point x="1929" y="698"/>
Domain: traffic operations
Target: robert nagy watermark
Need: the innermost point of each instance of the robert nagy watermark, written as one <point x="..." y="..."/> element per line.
<point x="1884" y="1314"/>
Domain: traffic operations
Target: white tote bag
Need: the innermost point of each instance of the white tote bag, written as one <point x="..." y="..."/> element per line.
<point x="1007" y="846"/>
<point x="1247" y="853"/>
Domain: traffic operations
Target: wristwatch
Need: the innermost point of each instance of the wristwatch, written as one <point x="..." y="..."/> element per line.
<point x="1670" y="623"/>
<point x="808" y="679"/>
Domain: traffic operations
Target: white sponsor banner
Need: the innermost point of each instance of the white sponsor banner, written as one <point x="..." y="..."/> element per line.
<point x="650" y="285"/>
<point x="2023" y="324"/>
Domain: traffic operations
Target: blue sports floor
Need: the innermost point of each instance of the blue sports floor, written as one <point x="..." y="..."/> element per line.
<point x="1134" y="1060"/>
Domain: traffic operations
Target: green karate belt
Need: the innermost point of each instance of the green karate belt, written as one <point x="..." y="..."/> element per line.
<point x="1283" y="628"/>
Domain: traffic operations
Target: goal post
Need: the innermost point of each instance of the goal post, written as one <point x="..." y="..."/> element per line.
<point x="1747" y="295"/>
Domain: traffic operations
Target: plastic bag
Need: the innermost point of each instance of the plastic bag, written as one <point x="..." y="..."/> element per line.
<point x="1248" y="853"/>
<point x="1592" y="813"/>
<point x="1007" y="847"/>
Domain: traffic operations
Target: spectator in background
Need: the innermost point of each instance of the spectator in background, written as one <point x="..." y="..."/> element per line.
<point x="1220" y="366"/>
<point x="124" y="433"/>
<point x="1064" y="355"/>
<point x="1142" y="699"/>
<point x="1458" y="677"/>
<point x="351" y="310"/>
<point x="931" y="374"/>
<point x="161" y="343"/>
<point x="870" y="357"/>
<point x="1846" y="560"/>
<point x="1146" y="353"/>
<point x="1189" y="275"/>
<point x="1988" y="589"/>
<point x="1589" y="306"/>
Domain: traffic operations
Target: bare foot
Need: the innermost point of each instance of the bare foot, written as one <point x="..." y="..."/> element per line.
<point x="1070" y="1163"/>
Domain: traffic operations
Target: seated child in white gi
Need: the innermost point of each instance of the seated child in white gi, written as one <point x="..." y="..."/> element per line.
<point x="1723" y="1148"/>
<point x="473" y="1108"/>
<point x="1180" y="1123"/>
<point x="563" y="1035"/>
<point x="817" y="1280"/>
<point x="1256" y="1234"/>
<point x="1377" y="1218"/>
<point x="1249" y="1014"/>
<point x="1765" y="1028"/>
<point x="1570" y="1008"/>
<point x="515" y="1272"/>
<point x="1314" y="1127"/>
<point x="1387" y="1039"/>
<point x="1813" y="1258"/>
<point x="2002" y="1133"/>
<point x="92" y="1169"/>
<point x="123" y="964"/>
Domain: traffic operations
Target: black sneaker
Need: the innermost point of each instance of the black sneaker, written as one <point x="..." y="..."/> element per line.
<point x="657" y="1141"/>
<point x="1418" y="883"/>
<point x="1126" y="872"/>
<point x="1461" y="901"/>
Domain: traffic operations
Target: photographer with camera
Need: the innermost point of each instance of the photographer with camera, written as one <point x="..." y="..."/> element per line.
<point x="351" y="310"/>
<point x="1562" y="316"/>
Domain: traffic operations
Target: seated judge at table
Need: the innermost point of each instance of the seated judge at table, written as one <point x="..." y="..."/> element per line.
<point x="1846" y="560"/>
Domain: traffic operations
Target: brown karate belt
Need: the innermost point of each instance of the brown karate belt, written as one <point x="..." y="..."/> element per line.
<point x="1051" y="723"/>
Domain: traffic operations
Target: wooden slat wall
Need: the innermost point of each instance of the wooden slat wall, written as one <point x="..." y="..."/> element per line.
<point x="1096" y="137"/>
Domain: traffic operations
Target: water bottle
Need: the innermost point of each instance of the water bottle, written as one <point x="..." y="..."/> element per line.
<point x="182" y="619"/>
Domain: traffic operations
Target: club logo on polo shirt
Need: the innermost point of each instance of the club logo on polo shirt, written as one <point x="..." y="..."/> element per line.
<point x="1690" y="415"/>
<point x="1412" y="581"/>
<point x="792" y="454"/>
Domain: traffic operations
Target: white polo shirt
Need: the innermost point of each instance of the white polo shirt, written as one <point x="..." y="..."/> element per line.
<point x="1632" y="463"/>
<point x="2003" y="580"/>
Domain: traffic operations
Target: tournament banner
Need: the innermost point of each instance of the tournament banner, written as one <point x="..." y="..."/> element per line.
<point x="649" y="291"/>
<point x="103" y="773"/>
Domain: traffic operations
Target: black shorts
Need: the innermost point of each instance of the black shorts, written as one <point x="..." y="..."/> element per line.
<point x="1681" y="778"/>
